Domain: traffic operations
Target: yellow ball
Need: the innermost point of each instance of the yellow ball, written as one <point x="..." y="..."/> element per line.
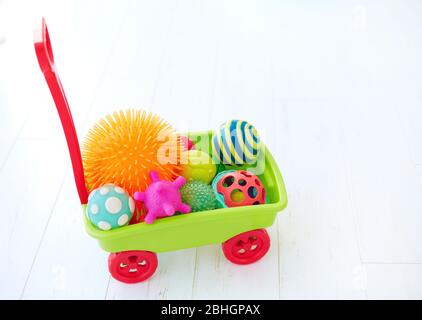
<point x="198" y="165"/>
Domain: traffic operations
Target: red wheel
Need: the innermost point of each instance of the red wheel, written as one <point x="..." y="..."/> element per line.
<point x="132" y="266"/>
<point x="247" y="247"/>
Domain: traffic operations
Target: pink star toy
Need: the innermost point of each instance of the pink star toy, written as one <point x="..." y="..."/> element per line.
<point x="162" y="198"/>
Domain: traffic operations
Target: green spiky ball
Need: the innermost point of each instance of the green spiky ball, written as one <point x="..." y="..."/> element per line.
<point x="199" y="195"/>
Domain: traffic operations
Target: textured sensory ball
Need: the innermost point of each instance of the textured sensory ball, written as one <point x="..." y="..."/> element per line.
<point x="238" y="188"/>
<point x="220" y="197"/>
<point x="199" y="166"/>
<point x="124" y="147"/>
<point x="110" y="207"/>
<point x="199" y="195"/>
<point x="236" y="142"/>
<point x="162" y="198"/>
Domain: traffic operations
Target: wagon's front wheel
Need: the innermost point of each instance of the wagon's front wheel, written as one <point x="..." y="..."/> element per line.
<point x="247" y="247"/>
<point x="132" y="266"/>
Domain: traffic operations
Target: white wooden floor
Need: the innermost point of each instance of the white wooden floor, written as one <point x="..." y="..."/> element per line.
<point x="335" y="89"/>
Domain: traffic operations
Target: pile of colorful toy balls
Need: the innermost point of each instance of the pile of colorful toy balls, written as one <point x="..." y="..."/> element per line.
<point x="134" y="175"/>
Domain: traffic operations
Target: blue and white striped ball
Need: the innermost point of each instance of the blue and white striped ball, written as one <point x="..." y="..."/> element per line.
<point x="236" y="142"/>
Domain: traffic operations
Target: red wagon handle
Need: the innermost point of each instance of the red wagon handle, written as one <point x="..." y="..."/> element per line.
<point x="46" y="60"/>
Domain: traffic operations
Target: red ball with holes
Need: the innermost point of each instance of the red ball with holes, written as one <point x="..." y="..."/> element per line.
<point x="241" y="188"/>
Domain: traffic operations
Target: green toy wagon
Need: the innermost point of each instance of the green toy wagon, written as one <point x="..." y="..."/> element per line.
<point x="133" y="248"/>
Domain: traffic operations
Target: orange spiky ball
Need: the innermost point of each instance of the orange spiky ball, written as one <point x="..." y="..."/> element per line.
<point x="124" y="147"/>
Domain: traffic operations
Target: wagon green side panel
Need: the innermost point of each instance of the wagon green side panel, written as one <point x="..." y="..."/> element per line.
<point x="187" y="231"/>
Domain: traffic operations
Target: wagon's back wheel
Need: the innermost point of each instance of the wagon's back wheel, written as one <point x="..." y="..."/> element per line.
<point x="247" y="247"/>
<point x="132" y="266"/>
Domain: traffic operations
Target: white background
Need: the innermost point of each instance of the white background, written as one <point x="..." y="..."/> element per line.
<point x="334" y="87"/>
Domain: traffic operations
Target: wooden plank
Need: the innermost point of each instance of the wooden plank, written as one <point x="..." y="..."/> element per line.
<point x="30" y="179"/>
<point x="14" y="99"/>
<point x="132" y="71"/>
<point x="172" y="280"/>
<point x="184" y="88"/>
<point x="69" y="264"/>
<point x="217" y="278"/>
<point x="385" y="189"/>
<point x="318" y="240"/>
<point x="410" y="114"/>
<point x="82" y="50"/>
<point x="419" y="171"/>
<point x="394" y="281"/>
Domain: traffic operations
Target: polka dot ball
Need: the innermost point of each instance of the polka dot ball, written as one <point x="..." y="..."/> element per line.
<point x="110" y="207"/>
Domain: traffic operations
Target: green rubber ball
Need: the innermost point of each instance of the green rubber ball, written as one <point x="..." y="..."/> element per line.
<point x="199" y="195"/>
<point x="199" y="166"/>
